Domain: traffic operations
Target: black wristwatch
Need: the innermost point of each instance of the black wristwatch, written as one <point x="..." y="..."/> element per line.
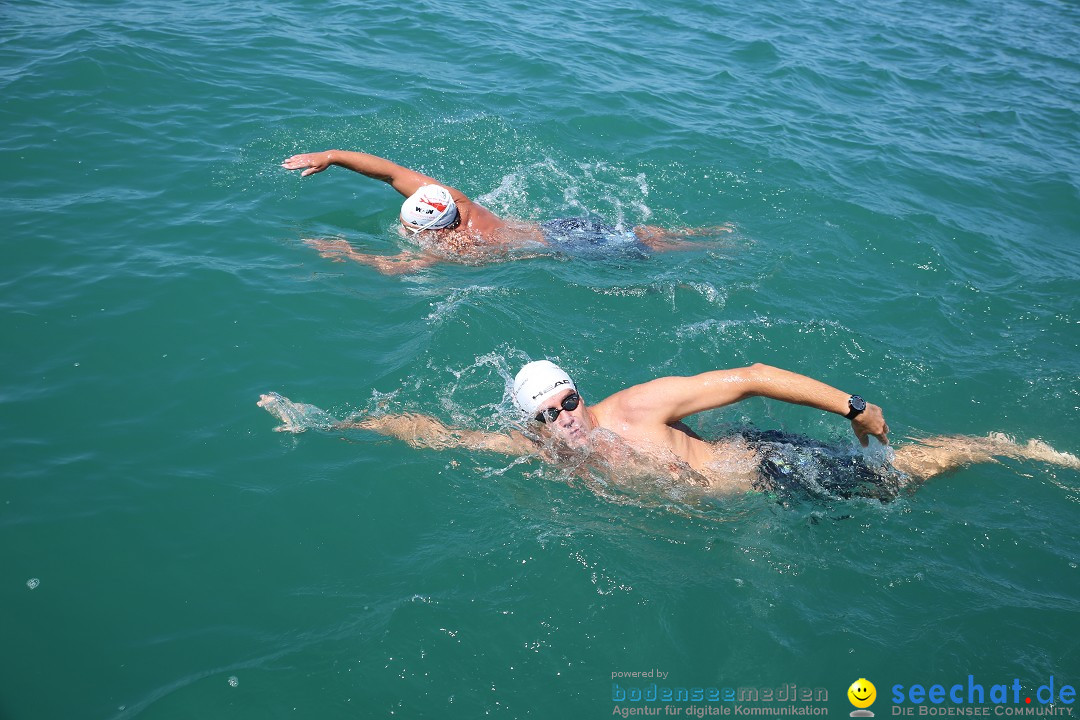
<point x="855" y="406"/>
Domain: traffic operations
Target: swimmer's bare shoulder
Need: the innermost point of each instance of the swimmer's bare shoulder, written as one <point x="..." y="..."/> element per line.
<point x="475" y="218"/>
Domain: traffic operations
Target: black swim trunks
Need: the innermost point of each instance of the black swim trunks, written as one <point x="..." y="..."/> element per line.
<point x="589" y="237"/>
<point x="798" y="466"/>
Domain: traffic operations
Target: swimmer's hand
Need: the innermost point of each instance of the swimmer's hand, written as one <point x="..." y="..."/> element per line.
<point x="295" y="417"/>
<point x="310" y="163"/>
<point x="869" y="422"/>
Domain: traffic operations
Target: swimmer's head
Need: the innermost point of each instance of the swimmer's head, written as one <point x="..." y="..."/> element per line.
<point x="538" y="381"/>
<point x="546" y="394"/>
<point x="429" y="208"/>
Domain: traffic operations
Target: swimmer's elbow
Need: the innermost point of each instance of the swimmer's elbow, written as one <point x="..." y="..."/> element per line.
<point x="757" y="378"/>
<point x="761" y="371"/>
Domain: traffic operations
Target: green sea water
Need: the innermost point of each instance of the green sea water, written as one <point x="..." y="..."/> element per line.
<point x="903" y="181"/>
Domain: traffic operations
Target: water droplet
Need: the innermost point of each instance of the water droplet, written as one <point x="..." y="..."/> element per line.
<point x="32" y="583"/>
<point x="233" y="681"/>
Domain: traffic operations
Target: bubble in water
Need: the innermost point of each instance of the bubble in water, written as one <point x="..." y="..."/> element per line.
<point x="32" y="583"/>
<point x="233" y="681"/>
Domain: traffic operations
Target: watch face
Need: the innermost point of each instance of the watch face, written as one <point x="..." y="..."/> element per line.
<point x="857" y="403"/>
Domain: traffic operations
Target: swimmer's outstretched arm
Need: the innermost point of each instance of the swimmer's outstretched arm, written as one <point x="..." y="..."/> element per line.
<point x="401" y="178"/>
<point x="417" y="430"/>
<point x="423" y="431"/>
<point x="404" y="262"/>
<point x="667" y="400"/>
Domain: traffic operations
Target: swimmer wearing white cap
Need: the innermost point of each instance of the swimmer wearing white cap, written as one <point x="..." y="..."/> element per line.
<point x="641" y="427"/>
<point x="454" y="227"/>
<point x="535" y="387"/>
<point x="432" y="207"/>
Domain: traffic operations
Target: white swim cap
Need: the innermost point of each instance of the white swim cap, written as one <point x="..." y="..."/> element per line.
<point x="429" y="208"/>
<point x="538" y="381"/>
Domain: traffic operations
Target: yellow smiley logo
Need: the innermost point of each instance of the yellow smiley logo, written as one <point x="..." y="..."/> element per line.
<point x="862" y="693"/>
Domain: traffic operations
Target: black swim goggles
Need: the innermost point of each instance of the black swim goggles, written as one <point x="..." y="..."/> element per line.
<point x="570" y="402"/>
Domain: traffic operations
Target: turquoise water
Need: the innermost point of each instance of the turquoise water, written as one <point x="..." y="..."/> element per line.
<point x="903" y="179"/>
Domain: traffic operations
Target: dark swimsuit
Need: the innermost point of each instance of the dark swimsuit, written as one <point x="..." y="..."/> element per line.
<point x="798" y="466"/>
<point x="589" y="237"/>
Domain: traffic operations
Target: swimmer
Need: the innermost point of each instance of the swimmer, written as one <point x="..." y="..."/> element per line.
<point x="454" y="228"/>
<point x="639" y="430"/>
